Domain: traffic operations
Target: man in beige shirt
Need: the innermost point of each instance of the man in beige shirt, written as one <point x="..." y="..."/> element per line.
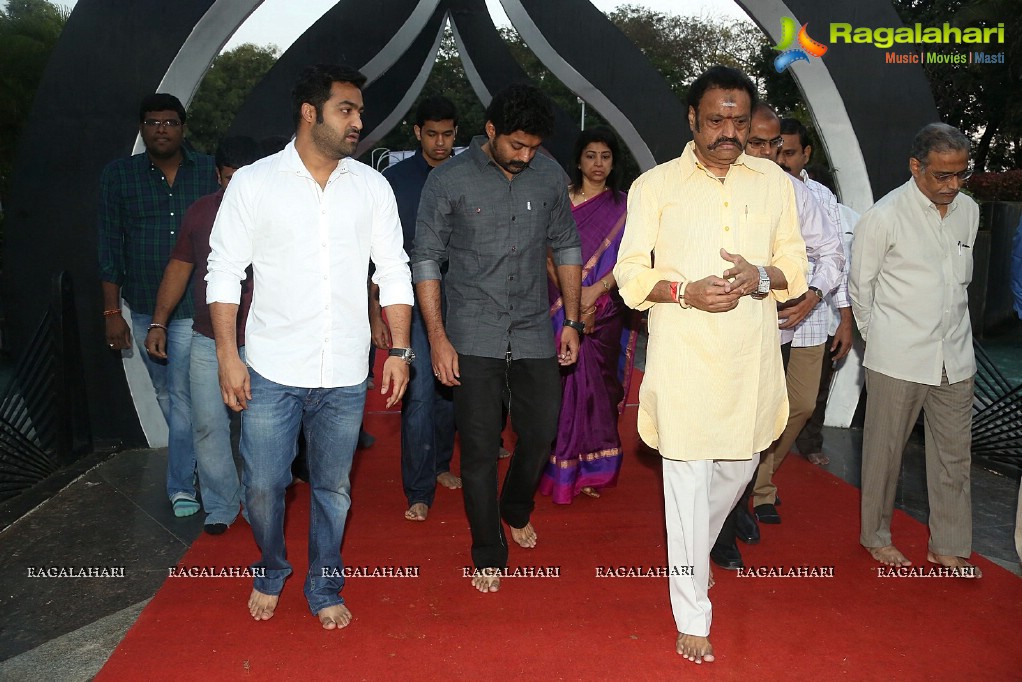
<point x="911" y="266"/>
<point x="723" y="230"/>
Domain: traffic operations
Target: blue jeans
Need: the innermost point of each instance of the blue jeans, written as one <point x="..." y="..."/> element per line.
<point x="269" y="435"/>
<point x="427" y="423"/>
<point x="170" y="381"/>
<point x="211" y="433"/>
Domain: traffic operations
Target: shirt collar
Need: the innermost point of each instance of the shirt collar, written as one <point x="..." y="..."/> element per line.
<point x="924" y="202"/>
<point x="291" y="162"/>
<point x="690" y="163"/>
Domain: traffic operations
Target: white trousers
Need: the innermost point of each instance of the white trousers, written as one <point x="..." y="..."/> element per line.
<point x="698" y="496"/>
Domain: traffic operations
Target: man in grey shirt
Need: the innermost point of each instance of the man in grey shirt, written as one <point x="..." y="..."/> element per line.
<point x="493" y="213"/>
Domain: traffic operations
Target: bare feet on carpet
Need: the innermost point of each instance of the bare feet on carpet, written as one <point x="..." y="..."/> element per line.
<point x="965" y="569"/>
<point x="525" y="537"/>
<point x="417" y="512"/>
<point x="711" y="582"/>
<point x="448" y="480"/>
<point x="486" y="580"/>
<point x="591" y="492"/>
<point x="889" y="556"/>
<point x="695" y="649"/>
<point x="261" y="606"/>
<point x="818" y="458"/>
<point x="334" y="617"/>
<point x="504" y="453"/>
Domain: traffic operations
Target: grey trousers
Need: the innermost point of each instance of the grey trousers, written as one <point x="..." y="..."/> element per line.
<point x="892" y="408"/>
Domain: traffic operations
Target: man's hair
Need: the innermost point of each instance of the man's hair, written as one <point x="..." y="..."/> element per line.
<point x="793" y="126"/>
<point x="314" y="86"/>
<point x="436" y="108"/>
<point x="161" y="101"/>
<point x="724" y="78"/>
<point x="763" y="109"/>
<point x="237" y="151"/>
<point x="606" y="136"/>
<point x="940" y="138"/>
<point x="521" y="107"/>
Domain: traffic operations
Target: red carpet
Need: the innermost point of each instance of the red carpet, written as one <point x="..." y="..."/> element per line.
<point x="856" y="625"/>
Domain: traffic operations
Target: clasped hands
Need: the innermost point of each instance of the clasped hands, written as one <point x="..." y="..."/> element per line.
<point x="719" y="294"/>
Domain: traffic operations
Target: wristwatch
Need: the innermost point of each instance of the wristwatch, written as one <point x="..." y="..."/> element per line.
<point x="405" y="354"/>
<point x="764" y="282"/>
<point x="816" y="291"/>
<point x="577" y="326"/>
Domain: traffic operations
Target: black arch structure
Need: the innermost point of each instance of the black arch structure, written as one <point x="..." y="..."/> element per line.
<point x="112" y="53"/>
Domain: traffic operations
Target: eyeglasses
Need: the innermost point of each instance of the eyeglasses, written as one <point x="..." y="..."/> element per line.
<point x="946" y="177"/>
<point x="760" y="145"/>
<point x="157" y="123"/>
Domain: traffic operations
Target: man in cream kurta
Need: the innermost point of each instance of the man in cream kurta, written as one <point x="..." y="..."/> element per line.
<point x="722" y="228"/>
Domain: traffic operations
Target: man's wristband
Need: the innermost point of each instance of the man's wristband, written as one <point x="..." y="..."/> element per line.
<point x="157" y="325"/>
<point x="114" y="311"/>
<point x="577" y="326"/>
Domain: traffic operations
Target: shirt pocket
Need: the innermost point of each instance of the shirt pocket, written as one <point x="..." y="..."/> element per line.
<point x="961" y="263"/>
<point x="755" y="238"/>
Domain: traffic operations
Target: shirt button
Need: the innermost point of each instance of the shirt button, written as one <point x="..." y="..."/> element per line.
<point x="725" y="204"/>
<point x="171" y="213"/>
<point x="512" y="218"/>
<point x="514" y="248"/>
<point x="512" y="278"/>
<point x="172" y="231"/>
<point x="727" y="229"/>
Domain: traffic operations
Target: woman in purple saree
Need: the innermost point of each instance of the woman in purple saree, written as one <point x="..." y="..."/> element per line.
<point x="586" y="456"/>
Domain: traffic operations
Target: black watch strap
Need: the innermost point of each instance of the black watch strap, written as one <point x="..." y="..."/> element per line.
<point x="577" y="326"/>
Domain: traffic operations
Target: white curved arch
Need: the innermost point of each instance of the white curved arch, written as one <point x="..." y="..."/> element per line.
<point x="182" y="79"/>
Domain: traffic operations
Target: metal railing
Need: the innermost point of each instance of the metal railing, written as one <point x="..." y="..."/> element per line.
<point x="44" y="421"/>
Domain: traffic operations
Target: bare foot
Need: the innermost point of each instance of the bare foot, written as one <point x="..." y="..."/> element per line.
<point x="818" y="458"/>
<point x="448" y="480"/>
<point x="591" y="492"/>
<point x="965" y="569"/>
<point x="711" y="582"/>
<point x="889" y="556"/>
<point x="525" y="537"/>
<point x="417" y="512"/>
<point x="334" y="617"/>
<point x="504" y="453"/>
<point x="486" y="579"/>
<point x="261" y="606"/>
<point x="695" y="649"/>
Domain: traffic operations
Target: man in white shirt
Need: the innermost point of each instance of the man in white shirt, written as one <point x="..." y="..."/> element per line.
<point x="308" y="220"/>
<point x="911" y="266"/>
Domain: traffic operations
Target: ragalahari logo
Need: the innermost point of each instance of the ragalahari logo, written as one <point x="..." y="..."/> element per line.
<point x="807" y="46"/>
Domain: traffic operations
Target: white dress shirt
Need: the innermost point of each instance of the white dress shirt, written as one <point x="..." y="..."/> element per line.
<point x="309" y="248"/>
<point x="839" y="297"/>
<point x="909" y="279"/>
<point x="826" y="261"/>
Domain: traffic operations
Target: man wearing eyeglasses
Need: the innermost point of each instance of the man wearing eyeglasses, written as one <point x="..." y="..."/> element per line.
<point x="143" y="199"/>
<point x="911" y="266"/>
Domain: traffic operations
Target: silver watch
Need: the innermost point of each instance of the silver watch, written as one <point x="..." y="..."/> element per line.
<point x="405" y="354"/>
<point x="764" y="281"/>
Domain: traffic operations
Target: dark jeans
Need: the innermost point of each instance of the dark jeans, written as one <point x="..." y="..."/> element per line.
<point x="427" y="423"/>
<point x="811" y="437"/>
<point x="532" y="388"/>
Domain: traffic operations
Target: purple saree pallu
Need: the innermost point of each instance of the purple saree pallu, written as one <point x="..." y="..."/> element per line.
<point x="587" y="452"/>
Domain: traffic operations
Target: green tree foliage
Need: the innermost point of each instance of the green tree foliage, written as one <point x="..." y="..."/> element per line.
<point x="29" y="29"/>
<point x="223" y="90"/>
<point x="983" y="100"/>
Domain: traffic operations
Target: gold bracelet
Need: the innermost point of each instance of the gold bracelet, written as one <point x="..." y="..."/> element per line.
<point x="605" y="285"/>
<point x="108" y="313"/>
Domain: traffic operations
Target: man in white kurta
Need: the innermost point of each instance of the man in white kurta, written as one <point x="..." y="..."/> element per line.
<point x="711" y="245"/>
